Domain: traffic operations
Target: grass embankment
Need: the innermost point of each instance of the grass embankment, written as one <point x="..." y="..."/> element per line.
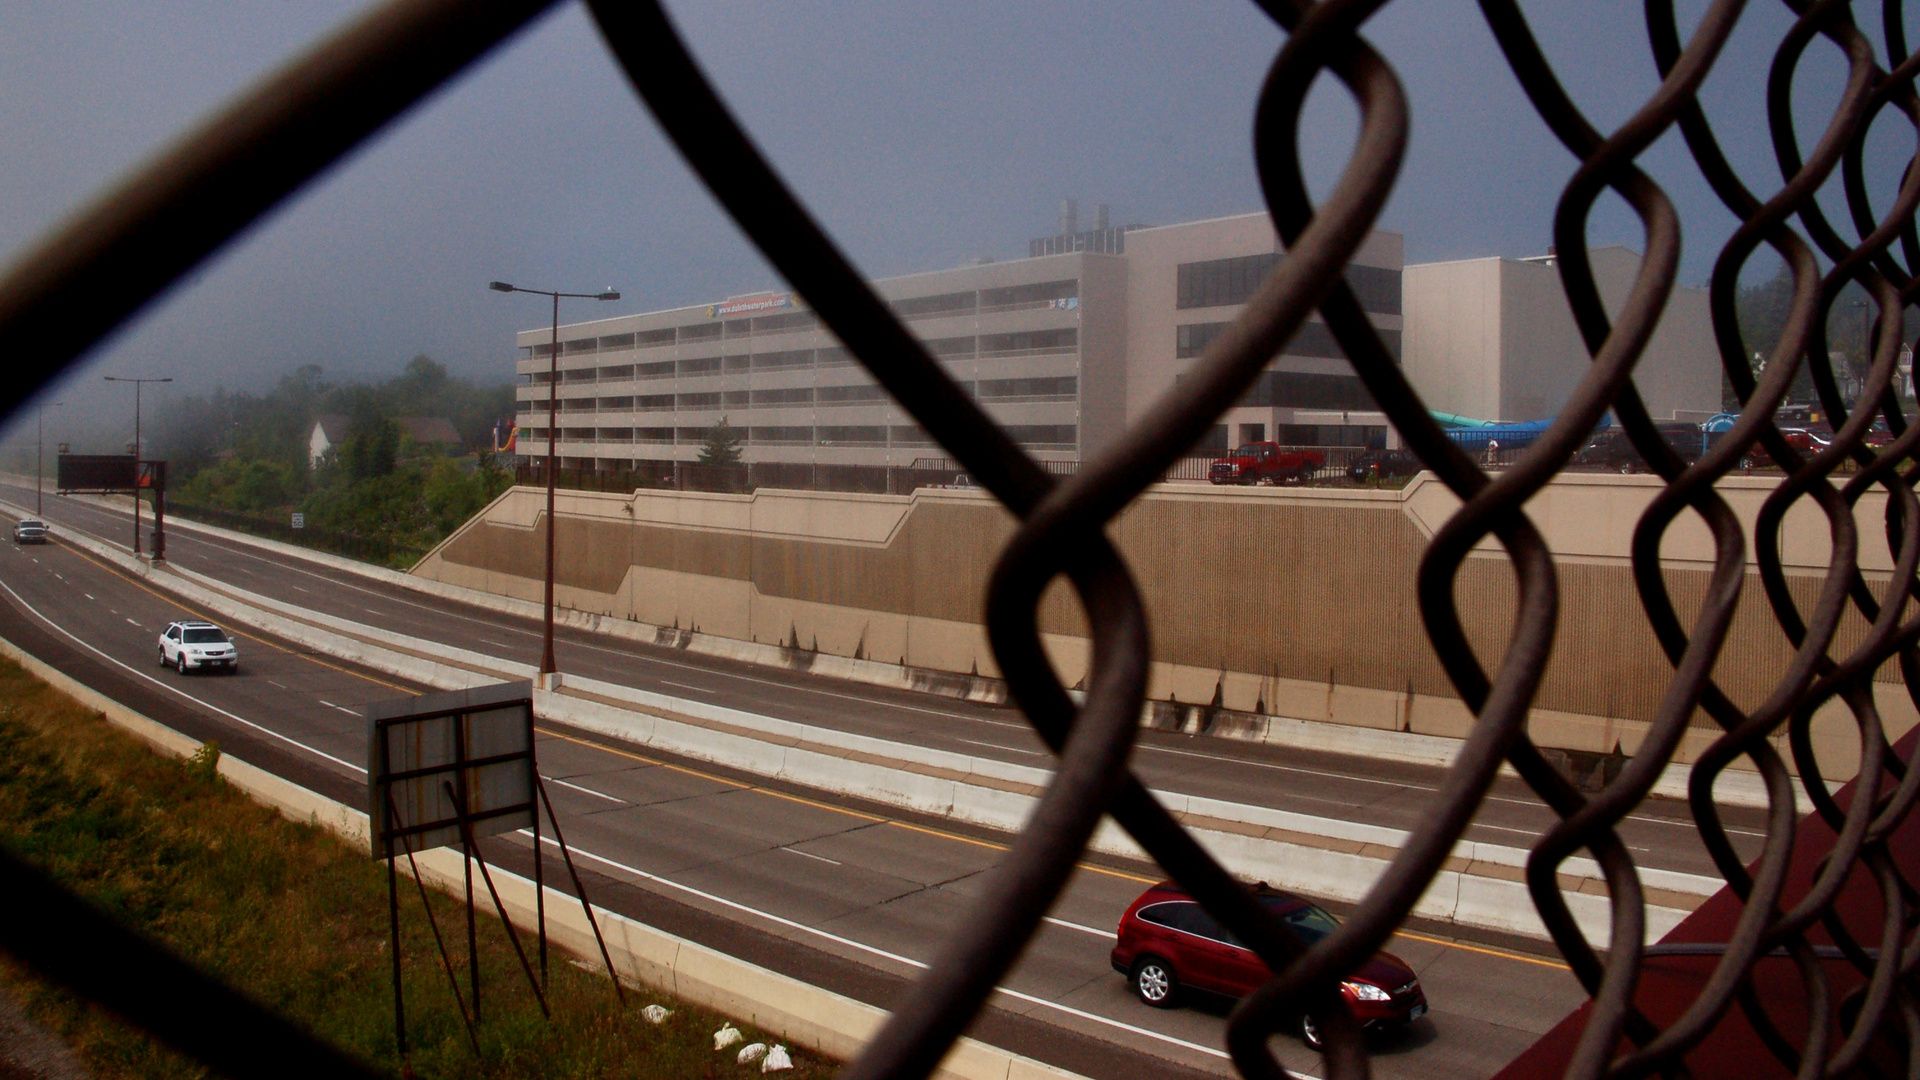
<point x="292" y="915"/>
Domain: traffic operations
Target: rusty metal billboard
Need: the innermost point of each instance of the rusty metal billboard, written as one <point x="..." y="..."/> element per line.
<point x="435" y="758"/>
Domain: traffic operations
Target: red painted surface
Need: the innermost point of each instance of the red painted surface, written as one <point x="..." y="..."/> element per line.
<point x="1669" y="984"/>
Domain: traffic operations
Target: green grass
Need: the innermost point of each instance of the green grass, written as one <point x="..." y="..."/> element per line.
<point x="293" y="916"/>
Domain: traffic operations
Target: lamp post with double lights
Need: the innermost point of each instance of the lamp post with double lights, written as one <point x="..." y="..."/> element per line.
<point x="138" y="385"/>
<point x="40" y="453"/>
<point x="547" y="666"/>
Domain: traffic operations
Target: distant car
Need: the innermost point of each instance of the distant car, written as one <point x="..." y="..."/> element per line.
<point x="1266" y="463"/>
<point x="30" y="531"/>
<point x="1381" y="464"/>
<point x="197" y="646"/>
<point x="1807" y="442"/>
<point x="1613" y="451"/>
<point x="1169" y="945"/>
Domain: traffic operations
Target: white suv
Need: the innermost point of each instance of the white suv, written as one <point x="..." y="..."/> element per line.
<point x="193" y="646"/>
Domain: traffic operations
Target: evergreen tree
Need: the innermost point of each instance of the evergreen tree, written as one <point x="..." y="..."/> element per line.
<point x="722" y="445"/>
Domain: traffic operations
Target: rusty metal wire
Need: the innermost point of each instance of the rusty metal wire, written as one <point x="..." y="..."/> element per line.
<point x="87" y="278"/>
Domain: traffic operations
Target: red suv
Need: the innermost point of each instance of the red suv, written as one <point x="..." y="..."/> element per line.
<point x="1169" y="944"/>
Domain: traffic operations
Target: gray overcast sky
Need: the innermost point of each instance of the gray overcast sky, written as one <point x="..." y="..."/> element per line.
<point x="923" y="134"/>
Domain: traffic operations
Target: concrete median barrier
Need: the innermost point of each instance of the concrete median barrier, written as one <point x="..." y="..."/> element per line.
<point x="1325" y="857"/>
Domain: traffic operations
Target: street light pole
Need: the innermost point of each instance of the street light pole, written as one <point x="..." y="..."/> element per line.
<point x="547" y="665"/>
<point x="138" y="385"/>
<point x="40" y="453"/>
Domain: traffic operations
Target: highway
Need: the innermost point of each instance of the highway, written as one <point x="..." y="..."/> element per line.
<point x="848" y="895"/>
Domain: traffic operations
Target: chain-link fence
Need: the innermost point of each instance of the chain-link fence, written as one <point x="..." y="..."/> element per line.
<point x="85" y="279"/>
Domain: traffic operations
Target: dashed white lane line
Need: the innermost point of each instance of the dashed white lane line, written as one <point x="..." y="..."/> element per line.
<point x="1083" y="928"/>
<point x="116" y="662"/>
<point x="131" y="622"/>
<point x="342" y="708"/>
<point x="997" y="746"/>
<point x="893" y="956"/>
<point x="88" y="595"/>
<point x="811" y="855"/>
<point x="586" y="790"/>
<point x="282" y="686"/>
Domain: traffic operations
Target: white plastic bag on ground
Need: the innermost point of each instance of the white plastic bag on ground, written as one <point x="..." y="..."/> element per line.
<point x="655" y="1013"/>
<point x="777" y="1059"/>
<point x="751" y="1053"/>
<point x="726" y="1036"/>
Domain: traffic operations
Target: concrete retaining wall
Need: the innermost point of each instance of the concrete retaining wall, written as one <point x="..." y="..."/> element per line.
<point x="1481" y="886"/>
<point x="1294" y="604"/>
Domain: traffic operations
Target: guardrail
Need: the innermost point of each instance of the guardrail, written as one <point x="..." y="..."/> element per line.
<point x="84" y="279"/>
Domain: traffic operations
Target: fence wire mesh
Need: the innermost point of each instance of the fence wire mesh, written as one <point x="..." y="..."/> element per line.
<point x="93" y="273"/>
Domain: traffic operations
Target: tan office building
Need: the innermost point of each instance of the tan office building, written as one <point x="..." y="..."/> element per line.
<point x="1061" y="348"/>
<point x="1494" y="339"/>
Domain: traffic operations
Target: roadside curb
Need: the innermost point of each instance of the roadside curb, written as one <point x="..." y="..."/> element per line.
<point x="800" y="1013"/>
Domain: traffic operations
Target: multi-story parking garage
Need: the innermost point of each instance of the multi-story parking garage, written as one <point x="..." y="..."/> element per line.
<point x="1062" y="349"/>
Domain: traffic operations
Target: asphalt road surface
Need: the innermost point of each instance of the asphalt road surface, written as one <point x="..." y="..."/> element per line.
<point x="848" y="895"/>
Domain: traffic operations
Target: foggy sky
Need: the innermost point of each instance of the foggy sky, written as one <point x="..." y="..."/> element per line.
<point x="923" y="135"/>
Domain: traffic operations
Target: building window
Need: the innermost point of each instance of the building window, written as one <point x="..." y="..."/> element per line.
<point x="653" y="434"/>
<point x="861" y="394"/>
<point x="1213" y="442"/>
<point x="616" y="404"/>
<point x="653" y="403"/>
<point x="950" y="346"/>
<point x="697" y="401"/>
<point x="1059" y="388"/>
<point x="909" y="435"/>
<point x="786" y="436"/>
<point x="690" y="435"/>
<point x="792" y="395"/>
<point x="875" y="435"/>
<point x="615" y="434"/>
<point x="1192" y="339"/>
<point x="700" y="332"/>
<point x="616" y="374"/>
<point x="706" y="365"/>
<point x="735" y="399"/>
<point x="1029" y="342"/>
<point x="1312" y="339"/>
<point x="832" y="356"/>
<point x="1057" y="436"/>
<point x="775" y="361"/>
<point x="737" y="363"/>
<point x="1226" y="282"/>
<point x="664" y="369"/>
<point x="928" y="307"/>
<point x="792" y="320"/>
<point x="616" y="341"/>
<point x="739" y="327"/>
<point x="1040" y="295"/>
<point x="648" y="339"/>
<point x="582" y="345"/>
<point x="545" y="349"/>
<point x="1377" y="288"/>
<point x="577" y="434"/>
<point x="1305" y="390"/>
<point x="579" y="375"/>
<point x="583" y="404"/>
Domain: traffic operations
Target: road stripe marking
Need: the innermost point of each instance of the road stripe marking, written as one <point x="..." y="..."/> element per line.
<point x="811" y="855"/>
<point x="1083" y="928"/>
<point x="342" y="708"/>
<point x="586" y="790"/>
<point x="893" y="956"/>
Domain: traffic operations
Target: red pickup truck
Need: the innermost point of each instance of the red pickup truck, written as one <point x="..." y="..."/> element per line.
<point x="1266" y="463"/>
